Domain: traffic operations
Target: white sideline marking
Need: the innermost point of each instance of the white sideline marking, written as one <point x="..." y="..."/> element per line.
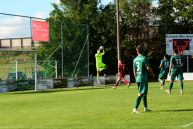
<point x="78" y="127"/>
<point x="122" y="126"/>
<point x="187" y="125"/>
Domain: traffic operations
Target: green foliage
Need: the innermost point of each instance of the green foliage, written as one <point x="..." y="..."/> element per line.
<point x="140" y="24"/>
<point x="103" y="32"/>
<point x="136" y="16"/>
<point x="175" y="16"/>
<point x="101" y="21"/>
<point x="68" y="24"/>
<point x="75" y="44"/>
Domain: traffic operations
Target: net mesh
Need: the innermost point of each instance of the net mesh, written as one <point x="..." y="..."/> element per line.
<point x="15" y="33"/>
<point x="24" y="64"/>
<point x="75" y="49"/>
<point x="10" y="60"/>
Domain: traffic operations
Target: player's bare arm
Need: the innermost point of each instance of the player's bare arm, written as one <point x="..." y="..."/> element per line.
<point x="134" y="73"/>
<point x="170" y="69"/>
<point x="160" y="66"/>
<point x="98" y="51"/>
<point x="103" y="52"/>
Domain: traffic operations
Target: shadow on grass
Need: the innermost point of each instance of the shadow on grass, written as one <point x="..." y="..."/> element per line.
<point x="176" y="110"/>
<point x="63" y="89"/>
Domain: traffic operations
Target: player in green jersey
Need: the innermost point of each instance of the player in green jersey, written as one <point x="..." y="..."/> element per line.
<point x="140" y="69"/>
<point x="99" y="64"/>
<point x="175" y="70"/>
<point x="164" y="69"/>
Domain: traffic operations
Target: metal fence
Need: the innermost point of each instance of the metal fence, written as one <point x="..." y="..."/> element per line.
<point x="71" y="41"/>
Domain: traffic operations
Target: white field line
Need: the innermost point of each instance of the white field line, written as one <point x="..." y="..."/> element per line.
<point x="187" y="125"/>
<point x="97" y="127"/>
<point x="120" y="126"/>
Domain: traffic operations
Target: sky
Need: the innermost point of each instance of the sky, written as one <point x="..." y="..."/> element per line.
<point x="11" y="27"/>
<point x="15" y="27"/>
<point x="33" y="8"/>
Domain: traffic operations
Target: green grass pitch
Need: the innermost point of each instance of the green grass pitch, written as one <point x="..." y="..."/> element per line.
<point x="97" y="108"/>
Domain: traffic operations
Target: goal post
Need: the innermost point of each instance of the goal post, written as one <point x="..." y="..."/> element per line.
<point x="35" y="62"/>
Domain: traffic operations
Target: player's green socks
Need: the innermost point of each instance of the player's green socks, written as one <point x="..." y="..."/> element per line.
<point x="138" y="100"/>
<point x="144" y="98"/>
<point x="171" y="85"/>
<point x="181" y="85"/>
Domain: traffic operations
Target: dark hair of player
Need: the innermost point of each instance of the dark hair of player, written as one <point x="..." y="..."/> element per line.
<point x="166" y="56"/>
<point x="122" y="60"/>
<point x="175" y="51"/>
<point x="139" y="49"/>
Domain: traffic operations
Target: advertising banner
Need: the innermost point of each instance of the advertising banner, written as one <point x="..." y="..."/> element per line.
<point x="40" y="31"/>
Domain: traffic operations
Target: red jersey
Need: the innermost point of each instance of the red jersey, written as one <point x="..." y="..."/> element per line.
<point x="122" y="69"/>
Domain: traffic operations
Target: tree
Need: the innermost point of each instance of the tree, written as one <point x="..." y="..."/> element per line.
<point x="183" y="15"/>
<point x="103" y="32"/>
<point x="175" y="16"/>
<point x="71" y="13"/>
<point x="135" y="25"/>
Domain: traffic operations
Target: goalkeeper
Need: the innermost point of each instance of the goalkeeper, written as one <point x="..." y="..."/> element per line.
<point x="99" y="64"/>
